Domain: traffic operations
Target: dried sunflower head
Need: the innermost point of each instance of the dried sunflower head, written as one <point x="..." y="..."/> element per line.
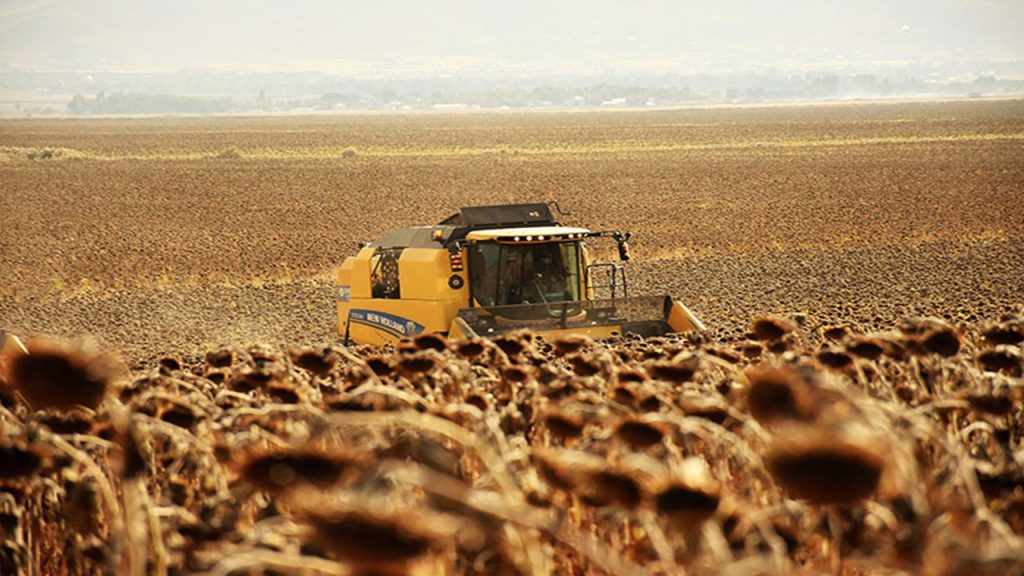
<point x="689" y="496"/>
<point x="59" y="375"/>
<point x="281" y="470"/>
<point x="824" y="467"/>
<point x="776" y="394"/>
<point x="378" y="538"/>
<point x="768" y="328"/>
<point x="638" y="433"/>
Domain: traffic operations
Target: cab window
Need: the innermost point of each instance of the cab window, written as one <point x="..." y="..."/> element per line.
<point x="513" y="274"/>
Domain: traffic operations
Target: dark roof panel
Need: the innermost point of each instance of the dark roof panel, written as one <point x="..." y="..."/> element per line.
<point x="505" y="215"/>
<point x="456" y="226"/>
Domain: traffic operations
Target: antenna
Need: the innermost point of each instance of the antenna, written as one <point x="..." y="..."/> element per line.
<point x="554" y="204"/>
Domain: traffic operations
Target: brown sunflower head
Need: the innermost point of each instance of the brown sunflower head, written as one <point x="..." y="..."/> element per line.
<point x="688" y="497"/>
<point x="623" y="394"/>
<point x="638" y="433"/>
<point x="169" y="364"/>
<point x="725" y="353"/>
<point x="517" y="373"/>
<point x="570" y="344"/>
<point x="564" y="425"/>
<point x="280" y="470"/>
<point x="411" y="365"/>
<point x="675" y="371"/>
<point x="768" y="328"/>
<point x="611" y="487"/>
<point x="380" y="365"/>
<point x="1009" y="332"/>
<point x="318" y="362"/>
<point x="751" y="349"/>
<point x="867" y="347"/>
<point x="513" y="344"/>
<point x="431" y="341"/>
<point x="470" y="349"/>
<point x="380" y="539"/>
<point x="59" y="375"/>
<point x="943" y="340"/>
<point x="18" y="459"/>
<point x="835" y="333"/>
<point x="834" y="359"/>
<point x="585" y="364"/>
<point x="565" y="469"/>
<point x="1002" y="358"/>
<point x="221" y="358"/>
<point x="825" y="468"/>
<point x="775" y="394"/>
<point x="285" y="392"/>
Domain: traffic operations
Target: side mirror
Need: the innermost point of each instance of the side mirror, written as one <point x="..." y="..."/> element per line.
<point x="623" y="251"/>
<point x="622" y="238"/>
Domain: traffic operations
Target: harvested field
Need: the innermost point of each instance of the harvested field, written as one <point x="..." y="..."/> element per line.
<point x="157" y="234"/>
<point x="166" y="239"/>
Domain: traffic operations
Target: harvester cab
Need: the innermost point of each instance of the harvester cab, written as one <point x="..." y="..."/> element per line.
<point x="493" y="269"/>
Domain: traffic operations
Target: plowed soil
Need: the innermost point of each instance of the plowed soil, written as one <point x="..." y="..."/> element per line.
<point x="179" y="233"/>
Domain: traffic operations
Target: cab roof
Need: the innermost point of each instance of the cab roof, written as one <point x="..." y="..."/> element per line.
<point x="502" y="216"/>
<point x="502" y="221"/>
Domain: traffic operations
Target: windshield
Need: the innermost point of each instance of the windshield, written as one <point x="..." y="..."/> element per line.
<point x="511" y="274"/>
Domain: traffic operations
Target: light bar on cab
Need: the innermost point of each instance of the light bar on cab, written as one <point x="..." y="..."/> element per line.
<point x="543" y="238"/>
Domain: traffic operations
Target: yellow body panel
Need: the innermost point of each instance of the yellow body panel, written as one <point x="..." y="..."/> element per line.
<point x="460" y="329"/>
<point x="359" y="268"/>
<point x="425" y="274"/>
<point x="432" y="293"/>
<point x="682" y="320"/>
<point x="381" y="321"/>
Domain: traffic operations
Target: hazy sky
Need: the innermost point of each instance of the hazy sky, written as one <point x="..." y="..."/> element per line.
<point x="388" y="37"/>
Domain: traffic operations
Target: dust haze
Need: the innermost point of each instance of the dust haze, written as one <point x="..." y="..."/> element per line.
<point x="456" y="47"/>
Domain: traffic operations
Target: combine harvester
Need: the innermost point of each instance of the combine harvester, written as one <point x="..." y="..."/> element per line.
<point x="493" y="269"/>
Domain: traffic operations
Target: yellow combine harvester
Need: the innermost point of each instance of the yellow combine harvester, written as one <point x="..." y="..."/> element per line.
<point x="493" y="269"/>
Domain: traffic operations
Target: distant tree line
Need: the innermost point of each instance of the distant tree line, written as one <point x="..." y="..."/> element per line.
<point x="128" y="103"/>
<point x="506" y="96"/>
<point x="641" y="91"/>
